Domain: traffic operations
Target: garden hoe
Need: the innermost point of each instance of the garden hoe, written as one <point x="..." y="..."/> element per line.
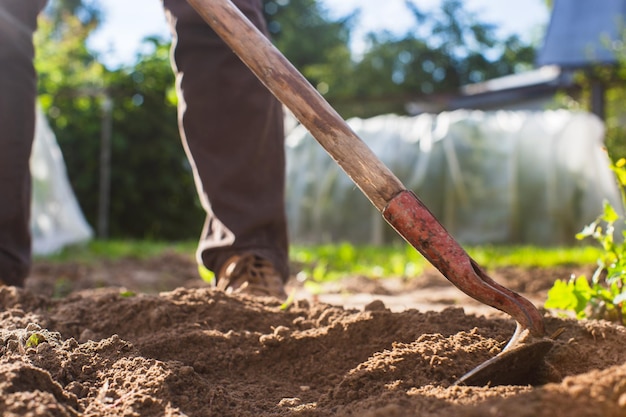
<point x="525" y="353"/>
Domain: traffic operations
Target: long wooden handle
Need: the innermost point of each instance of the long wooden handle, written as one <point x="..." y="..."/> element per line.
<point x="374" y="179"/>
<point x="400" y="207"/>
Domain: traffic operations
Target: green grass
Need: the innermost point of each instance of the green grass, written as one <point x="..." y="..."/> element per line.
<point x="331" y="262"/>
<point x="116" y="249"/>
<point x="533" y="256"/>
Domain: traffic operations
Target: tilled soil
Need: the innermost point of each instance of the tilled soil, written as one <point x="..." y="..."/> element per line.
<point x="121" y="350"/>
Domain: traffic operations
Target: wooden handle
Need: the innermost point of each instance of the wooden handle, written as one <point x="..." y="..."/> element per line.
<point x="374" y="179"/>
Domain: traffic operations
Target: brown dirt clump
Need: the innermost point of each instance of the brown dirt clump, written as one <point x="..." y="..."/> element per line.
<point x="198" y="352"/>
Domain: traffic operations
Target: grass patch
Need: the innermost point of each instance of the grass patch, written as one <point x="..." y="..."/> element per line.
<point x="533" y="256"/>
<point x="96" y="250"/>
<point x="331" y="262"/>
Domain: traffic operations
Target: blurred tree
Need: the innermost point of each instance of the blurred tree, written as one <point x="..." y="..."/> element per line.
<point x="71" y="82"/>
<point x="446" y="49"/>
<point x="314" y="43"/>
<point x="304" y="33"/>
<point x="152" y="191"/>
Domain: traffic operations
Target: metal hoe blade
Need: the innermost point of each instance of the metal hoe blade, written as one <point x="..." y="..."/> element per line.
<point x="518" y="364"/>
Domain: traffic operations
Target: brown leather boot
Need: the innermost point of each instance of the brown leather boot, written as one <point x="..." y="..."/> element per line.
<point x="250" y="274"/>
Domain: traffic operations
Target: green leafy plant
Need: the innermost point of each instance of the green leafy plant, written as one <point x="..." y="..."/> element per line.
<point x="604" y="295"/>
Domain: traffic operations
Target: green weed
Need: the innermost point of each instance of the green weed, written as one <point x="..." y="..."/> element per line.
<point x="604" y="295"/>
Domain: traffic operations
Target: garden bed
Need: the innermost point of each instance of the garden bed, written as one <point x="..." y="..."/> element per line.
<point x="114" y="345"/>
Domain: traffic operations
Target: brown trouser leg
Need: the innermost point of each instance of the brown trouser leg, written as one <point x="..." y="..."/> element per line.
<point x="232" y="129"/>
<point x="18" y="89"/>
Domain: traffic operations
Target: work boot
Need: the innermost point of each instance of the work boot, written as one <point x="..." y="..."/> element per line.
<point x="250" y="274"/>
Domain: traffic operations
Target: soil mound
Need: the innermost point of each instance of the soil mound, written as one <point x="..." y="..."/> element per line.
<point x="198" y="352"/>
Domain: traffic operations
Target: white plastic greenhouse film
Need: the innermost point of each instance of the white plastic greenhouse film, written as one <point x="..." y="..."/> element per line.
<point x="56" y="218"/>
<point x="490" y="177"/>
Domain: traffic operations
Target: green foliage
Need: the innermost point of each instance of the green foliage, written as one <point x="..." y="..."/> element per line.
<point x="447" y="48"/>
<point x="70" y="84"/>
<point x="304" y="33"/>
<point x="152" y="189"/>
<point x="314" y="43"/>
<point x="604" y="295"/>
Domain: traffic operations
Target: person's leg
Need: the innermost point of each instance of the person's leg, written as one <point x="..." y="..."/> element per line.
<point x="18" y="89"/>
<point x="232" y="128"/>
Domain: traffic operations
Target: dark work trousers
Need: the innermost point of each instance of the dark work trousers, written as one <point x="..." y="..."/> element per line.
<point x="18" y="89"/>
<point x="231" y="127"/>
<point x="232" y="131"/>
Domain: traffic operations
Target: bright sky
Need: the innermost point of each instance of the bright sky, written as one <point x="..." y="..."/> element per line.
<point x="127" y="22"/>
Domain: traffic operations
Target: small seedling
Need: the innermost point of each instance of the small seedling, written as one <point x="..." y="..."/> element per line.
<point x="289" y="301"/>
<point x="34" y="340"/>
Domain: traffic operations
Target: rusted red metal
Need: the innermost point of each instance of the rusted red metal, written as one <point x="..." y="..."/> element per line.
<point x="418" y="226"/>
